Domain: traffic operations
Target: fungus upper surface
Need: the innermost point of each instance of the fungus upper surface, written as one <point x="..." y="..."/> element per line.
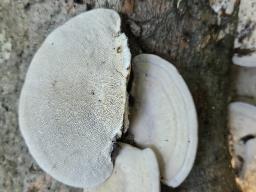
<point x="73" y="100"/>
<point x="163" y="116"/>
<point x="135" y="171"/>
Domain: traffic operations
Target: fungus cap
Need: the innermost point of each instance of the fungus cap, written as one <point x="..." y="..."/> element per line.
<point x="245" y="41"/>
<point x="164" y="117"/>
<point x="134" y="170"/>
<point x="242" y="125"/>
<point x="73" y="100"/>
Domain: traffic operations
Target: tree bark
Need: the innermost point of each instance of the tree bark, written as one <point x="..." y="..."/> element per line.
<point x="186" y="33"/>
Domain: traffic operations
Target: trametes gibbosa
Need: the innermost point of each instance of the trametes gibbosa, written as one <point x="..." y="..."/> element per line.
<point x="73" y="110"/>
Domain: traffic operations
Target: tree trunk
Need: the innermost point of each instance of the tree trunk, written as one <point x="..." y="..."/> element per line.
<point x="186" y="33"/>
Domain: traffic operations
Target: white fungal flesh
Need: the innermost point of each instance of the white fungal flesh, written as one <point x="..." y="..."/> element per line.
<point x="226" y="6"/>
<point x="73" y="100"/>
<point x="246" y="82"/>
<point x="164" y="116"/>
<point x="135" y="170"/>
<point x="245" y="42"/>
<point x="242" y="124"/>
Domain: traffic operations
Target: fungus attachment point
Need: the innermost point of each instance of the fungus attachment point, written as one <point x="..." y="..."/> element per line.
<point x="245" y="42"/>
<point x="164" y="116"/>
<point x="242" y="125"/>
<point x="246" y="82"/>
<point x="73" y="101"/>
<point x="135" y="170"/>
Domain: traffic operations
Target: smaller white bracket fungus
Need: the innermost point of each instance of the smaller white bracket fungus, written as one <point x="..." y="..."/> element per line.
<point x="242" y="125"/>
<point x="73" y="101"/>
<point x="245" y="41"/>
<point x="164" y="116"/>
<point x="223" y="6"/>
<point x="246" y="82"/>
<point x="135" y="170"/>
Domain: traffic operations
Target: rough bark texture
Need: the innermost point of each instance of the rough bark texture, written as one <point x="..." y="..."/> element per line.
<point x="187" y="35"/>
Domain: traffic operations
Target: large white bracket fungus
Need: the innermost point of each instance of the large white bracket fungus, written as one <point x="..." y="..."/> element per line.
<point x="135" y="171"/>
<point x="245" y="42"/>
<point x="73" y="100"/>
<point x="242" y="124"/>
<point x="164" y="116"/>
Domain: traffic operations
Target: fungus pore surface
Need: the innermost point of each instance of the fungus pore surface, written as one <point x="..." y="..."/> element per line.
<point x="73" y="100"/>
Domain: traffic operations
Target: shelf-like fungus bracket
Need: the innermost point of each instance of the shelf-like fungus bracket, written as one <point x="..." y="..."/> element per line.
<point x="135" y="170"/>
<point x="73" y="100"/>
<point x="163" y="116"/>
<point x="242" y="125"/>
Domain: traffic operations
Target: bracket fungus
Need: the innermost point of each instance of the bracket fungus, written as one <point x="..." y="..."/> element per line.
<point x="242" y="125"/>
<point x="245" y="42"/>
<point x="135" y="170"/>
<point x="164" y="116"/>
<point x="72" y="104"/>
